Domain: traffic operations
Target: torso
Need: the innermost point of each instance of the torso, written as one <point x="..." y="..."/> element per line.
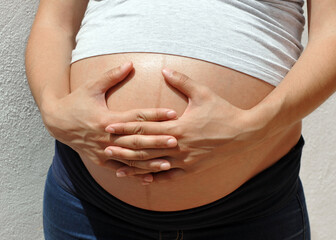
<point x="145" y="88"/>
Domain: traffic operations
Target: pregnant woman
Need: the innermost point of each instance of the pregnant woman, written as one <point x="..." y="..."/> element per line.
<point x="178" y="119"/>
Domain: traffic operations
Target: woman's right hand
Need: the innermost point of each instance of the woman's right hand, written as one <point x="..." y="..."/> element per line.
<point x="80" y="118"/>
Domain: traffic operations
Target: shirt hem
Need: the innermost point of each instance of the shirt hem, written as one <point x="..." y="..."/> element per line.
<point x="239" y="62"/>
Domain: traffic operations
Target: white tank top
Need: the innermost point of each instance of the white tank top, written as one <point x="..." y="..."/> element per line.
<point x="261" y="38"/>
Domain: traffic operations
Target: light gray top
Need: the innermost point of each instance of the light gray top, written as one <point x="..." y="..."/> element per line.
<point x="261" y="38"/>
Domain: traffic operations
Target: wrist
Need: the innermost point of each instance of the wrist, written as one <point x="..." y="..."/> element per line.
<point x="48" y="109"/>
<point x="263" y="120"/>
<point x="47" y="104"/>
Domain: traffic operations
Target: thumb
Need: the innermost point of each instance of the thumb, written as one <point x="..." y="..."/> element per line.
<point x="182" y="82"/>
<point x="112" y="77"/>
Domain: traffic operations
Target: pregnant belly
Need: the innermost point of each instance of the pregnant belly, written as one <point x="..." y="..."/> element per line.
<point x="145" y="88"/>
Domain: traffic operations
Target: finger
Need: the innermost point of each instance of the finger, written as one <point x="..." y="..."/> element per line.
<point x="141" y="115"/>
<point x="146" y="179"/>
<point x="113" y="164"/>
<point x="144" y="128"/>
<point x="144" y="141"/>
<point x="126" y="155"/>
<point x="141" y="167"/>
<point x="182" y="82"/>
<point x="144" y="176"/>
<point x="150" y="114"/>
<point x="112" y="77"/>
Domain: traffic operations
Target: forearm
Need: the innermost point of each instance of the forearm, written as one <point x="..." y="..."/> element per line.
<point x="48" y="52"/>
<point x="309" y="83"/>
<point x="48" y="57"/>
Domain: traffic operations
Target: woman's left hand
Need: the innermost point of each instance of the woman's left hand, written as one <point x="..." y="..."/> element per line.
<point x="210" y="126"/>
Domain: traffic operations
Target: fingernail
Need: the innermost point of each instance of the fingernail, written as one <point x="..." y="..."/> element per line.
<point x="171" y="114"/>
<point x="145" y="183"/>
<point x="111" y="130"/>
<point x="109" y="152"/>
<point x="165" y="166"/>
<point x="148" y="179"/>
<point x="125" y="66"/>
<point x="121" y="174"/>
<point x="171" y="142"/>
<point x="168" y="72"/>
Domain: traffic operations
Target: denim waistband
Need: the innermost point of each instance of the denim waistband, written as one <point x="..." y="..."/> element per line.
<point x="265" y="193"/>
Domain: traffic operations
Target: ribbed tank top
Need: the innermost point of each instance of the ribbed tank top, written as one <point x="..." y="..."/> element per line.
<point x="261" y="38"/>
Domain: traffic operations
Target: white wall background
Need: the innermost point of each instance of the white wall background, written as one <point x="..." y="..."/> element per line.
<point x="26" y="148"/>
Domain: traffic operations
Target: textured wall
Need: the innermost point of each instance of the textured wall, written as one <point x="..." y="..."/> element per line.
<point x="26" y="148"/>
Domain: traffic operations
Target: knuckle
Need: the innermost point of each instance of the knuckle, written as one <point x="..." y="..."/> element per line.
<point x="117" y="153"/>
<point x="160" y="142"/>
<point x="100" y="123"/>
<point x="111" y="74"/>
<point x="96" y="123"/>
<point x="183" y="78"/>
<point x="131" y="163"/>
<point x="154" y="167"/>
<point x="141" y="117"/>
<point x="137" y="170"/>
<point x="135" y="142"/>
<point x="138" y="130"/>
<point x="158" y="114"/>
<point x="203" y="92"/>
<point x="185" y="149"/>
<point x="170" y="129"/>
<point x="141" y="155"/>
<point x="99" y="162"/>
<point x="103" y="140"/>
<point x="91" y="125"/>
<point x="176" y="131"/>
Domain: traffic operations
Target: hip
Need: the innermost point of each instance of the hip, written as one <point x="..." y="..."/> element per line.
<point x="266" y="192"/>
<point x="68" y="216"/>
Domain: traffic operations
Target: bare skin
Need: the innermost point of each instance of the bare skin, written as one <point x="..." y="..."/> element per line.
<point x="146" y="88"/>
<point x="276" y="113"/>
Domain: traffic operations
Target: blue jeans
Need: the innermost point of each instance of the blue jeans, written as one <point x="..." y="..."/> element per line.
<point x="66" y="217"/>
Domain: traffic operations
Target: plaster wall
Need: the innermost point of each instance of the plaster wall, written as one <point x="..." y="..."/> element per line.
<point x="26" y="148"/>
